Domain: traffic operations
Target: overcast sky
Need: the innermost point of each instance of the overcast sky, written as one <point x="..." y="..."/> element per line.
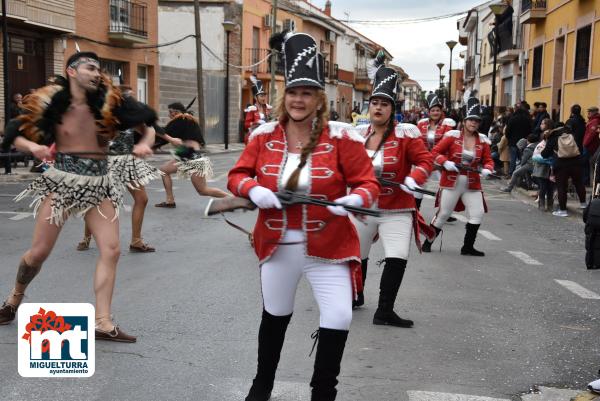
<point x="417" y="48"/>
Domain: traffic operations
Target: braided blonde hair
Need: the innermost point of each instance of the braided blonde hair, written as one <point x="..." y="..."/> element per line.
<point x="319" y="123"/>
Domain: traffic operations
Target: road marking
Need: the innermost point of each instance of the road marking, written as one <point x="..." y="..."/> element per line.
<point x="431" y="396"/>
<point x="489" y="235"/>
<point x="525" y="258"/>
<point x="20" y="216"/>
<point x="578" y="290"/>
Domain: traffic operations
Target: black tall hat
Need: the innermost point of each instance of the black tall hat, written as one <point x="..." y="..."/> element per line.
<point x="433" y="100"/>
<point x="385" y="79"/>
<point x="385" y="83"/>
<point x="257" y="86"/>
<point x="302" y="62"/>
<point x="473" y="109"/>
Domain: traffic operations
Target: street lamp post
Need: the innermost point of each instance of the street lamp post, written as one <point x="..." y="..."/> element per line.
<point x="440" y="66"/>
<point x="450" y="44"/>
<point x="228" y="26"/>
<point x="498" y="9"/>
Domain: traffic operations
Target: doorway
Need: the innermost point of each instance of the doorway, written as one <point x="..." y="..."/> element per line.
<point x="557" y="76"/>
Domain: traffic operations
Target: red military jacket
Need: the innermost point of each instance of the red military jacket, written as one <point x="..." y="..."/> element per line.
<point x="253" y="116"/>
<point x="401" y="152"/>
<point x="451" y="147"/>
<point x="447" y="124"/>
<point x="339" y="161"/>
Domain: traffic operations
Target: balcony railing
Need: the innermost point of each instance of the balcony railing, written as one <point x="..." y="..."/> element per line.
<point x="128" y="21"/>
<point x="532" y="4"/>
<point x="361" y="73"/>
<point x="532" y="11"/>
<point x="254" y="55"/>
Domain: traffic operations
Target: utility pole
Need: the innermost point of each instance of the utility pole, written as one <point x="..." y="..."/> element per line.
<point x="200" y="86"/>
<point x="7" y="161"/>
<point x="273" y="60"/>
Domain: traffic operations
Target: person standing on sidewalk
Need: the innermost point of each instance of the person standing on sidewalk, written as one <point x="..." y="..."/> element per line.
<point x="518" y="126"/>
<point x="591" y="142"/>
<point x="398" y="154"/>
<point x="461" y="153"/>
<point x="304" y="152"/>
<point x="576" y="124"/>
<point x="561" y="145"/>
<point x="258" y="113"/>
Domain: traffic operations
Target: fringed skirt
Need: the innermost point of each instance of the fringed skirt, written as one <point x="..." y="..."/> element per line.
<point x="198" y="164"/>
<point x="132" y="171"/>
<point x="76" y="185"/>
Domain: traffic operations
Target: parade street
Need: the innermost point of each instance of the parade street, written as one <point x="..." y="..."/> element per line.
<point x="524" y="316"/>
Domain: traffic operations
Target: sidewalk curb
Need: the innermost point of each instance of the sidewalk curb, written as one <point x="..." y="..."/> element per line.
<point x="525" y="194"/>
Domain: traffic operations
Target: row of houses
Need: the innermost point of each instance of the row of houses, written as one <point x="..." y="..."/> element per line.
<point x="545" y="53"/>
<point x="150" y="46"/>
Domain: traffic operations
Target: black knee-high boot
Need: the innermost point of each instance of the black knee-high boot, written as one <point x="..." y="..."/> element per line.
<point x="426" y="246"/>
<point x="360" y="296"/>
<point x="391" y="278"/>
<point x="330" y="350"/>
<point x="270" y="340"/>
<point x="470" y="235"/>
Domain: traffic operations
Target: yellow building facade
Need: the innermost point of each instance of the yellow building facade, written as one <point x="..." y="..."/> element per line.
<point x="563" y="54"/>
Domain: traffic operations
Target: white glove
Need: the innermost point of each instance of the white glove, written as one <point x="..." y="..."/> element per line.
<point x="348" y="200"/>
<point x="264" y="198"/>
<point x="261" y="122"/>
<point x="594" y="386"/>
<point x="409" y="185"/>
<point x="450" y="166"/>
<point x="485" y="172"/>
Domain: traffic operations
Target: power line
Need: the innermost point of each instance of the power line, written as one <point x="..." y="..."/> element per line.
<point x="408" y="20"/>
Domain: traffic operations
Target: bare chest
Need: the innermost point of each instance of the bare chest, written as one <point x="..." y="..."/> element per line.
<point x="78" y="126"/>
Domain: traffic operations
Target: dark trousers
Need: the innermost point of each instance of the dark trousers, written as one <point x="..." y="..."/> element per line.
<point x="563" y="173"/>
<point x="546" y="192"/>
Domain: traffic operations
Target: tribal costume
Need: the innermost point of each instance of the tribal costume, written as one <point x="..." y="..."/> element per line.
<point x="304" y="239"/>
<point x="401" y="158"/>
<point x="124" y="167"/>
<point x="190" y="161"/>
<point x="77" y="183"/>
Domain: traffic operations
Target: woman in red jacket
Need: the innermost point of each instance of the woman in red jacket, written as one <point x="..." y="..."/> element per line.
<point x="303" y="152"/>
<point x="398" y="155"/>
<point x="432" y="131"/>
<point x="461" y="153"/>
<point x="258" y="113"/>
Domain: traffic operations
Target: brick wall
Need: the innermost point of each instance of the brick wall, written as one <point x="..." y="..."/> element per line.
<point x="92" y="19"/>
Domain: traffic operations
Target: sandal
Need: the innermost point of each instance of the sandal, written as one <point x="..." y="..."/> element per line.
<point x="166" y="205"/>
<point x="84" y="245"/>
<point x="139" y="246"/>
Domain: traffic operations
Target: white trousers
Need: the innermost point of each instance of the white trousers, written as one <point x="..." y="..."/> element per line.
<point x="473" y="201"/>
<point x="331" y="283"/>
<point x="395" y="232"/>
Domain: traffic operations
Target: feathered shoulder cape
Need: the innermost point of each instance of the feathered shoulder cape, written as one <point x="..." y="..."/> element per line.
<point x="45" y="107"/>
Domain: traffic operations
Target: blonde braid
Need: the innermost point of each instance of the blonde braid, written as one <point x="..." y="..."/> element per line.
<point x="315" y="134"/>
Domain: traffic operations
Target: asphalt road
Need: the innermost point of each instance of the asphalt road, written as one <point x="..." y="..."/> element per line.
<point x="492" y="327"/>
